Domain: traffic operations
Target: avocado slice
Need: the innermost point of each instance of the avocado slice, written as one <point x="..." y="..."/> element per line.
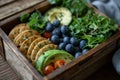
<point x="39" y="63"/>
<point x="60" y="13"/>
<point x="50" y="57"/>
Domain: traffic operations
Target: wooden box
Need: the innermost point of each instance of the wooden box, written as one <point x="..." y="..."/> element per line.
<point x="78" y="69"/>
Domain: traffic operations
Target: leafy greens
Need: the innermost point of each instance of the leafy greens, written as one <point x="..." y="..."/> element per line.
<point x="35" y="20"/>
<point x="92" y="27"/>
<point x="77" y="7"/>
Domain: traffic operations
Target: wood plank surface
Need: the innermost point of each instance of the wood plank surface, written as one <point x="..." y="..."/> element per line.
<point x="18" y="62"/>
<point x="5" y="2"/>
<point x="42" y="6"/>
<point x="15" y="7"/>
<point x="17" y="65"/>
<point x="6" y="72"/>
<point x="2" y="49"/>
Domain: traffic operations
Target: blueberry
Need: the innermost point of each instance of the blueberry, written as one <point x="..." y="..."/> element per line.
<point x="74" y="41"/>
<point x="62" y="46"/>
<point x="84" y="51"/>
<point x="66" y="39"/>
<point x="56" y="23"/>
<point x="49" y="27"/>
<point x="61" y="39"/>
<point x="82" y="43"/>
<point x="56" y="31"/>
<point x="63" y="35"/>
<point x="69" y="48"/>
<point x="55" y="39"/>
<point x="77" y="54"/>
<point x="64" y="30"/>
<point x="77" y="49"/>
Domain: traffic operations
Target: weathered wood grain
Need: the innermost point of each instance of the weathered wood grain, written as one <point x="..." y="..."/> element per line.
<point x="2" y="48"/>
<point x="5" y="2"/>
<point x="6" y="72"/>
<point x="22" y="71"/>
<point x="15" y="7"/>
<point x="42" y="6"/>
<point x="17" y="60"/>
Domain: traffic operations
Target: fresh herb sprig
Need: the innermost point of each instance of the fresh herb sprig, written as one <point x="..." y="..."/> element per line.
<point x="35" y="20"/>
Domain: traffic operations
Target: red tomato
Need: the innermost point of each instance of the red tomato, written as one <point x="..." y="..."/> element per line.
<point x="47" y="34"/>
<point x="48" y="69"/>
<point x="59" y="63"/>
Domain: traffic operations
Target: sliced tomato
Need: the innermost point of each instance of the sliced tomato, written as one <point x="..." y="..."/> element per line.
<point x="47" y="34"/>
<point x="48" y="69"/>
<point x="59" y="63"/>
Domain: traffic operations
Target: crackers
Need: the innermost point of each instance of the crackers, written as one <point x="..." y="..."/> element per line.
<point x="29" y="42"/>
<point x="24" y="36"/>
<point x="17" y="29"/>
<point x="25" y="45"/>
<point x="42" y="50"/>
<point x="38" y="47"/>
<point x="32" y="45"/>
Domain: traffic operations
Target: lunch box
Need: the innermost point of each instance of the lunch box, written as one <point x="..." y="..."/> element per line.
<point x="78" y="69"/>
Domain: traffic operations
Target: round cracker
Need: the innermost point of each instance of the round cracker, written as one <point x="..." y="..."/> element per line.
<point x="17" y="29"/>
<point x="32" y="45"/>
<point x="25" y="45"/>
<point x="38" y="47"/>
<point x="23" y="36"/>
<point x="44" y="49"/>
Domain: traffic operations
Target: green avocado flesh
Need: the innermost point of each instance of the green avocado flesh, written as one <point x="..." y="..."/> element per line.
<point x="50" y="57"/>
<point x="60" y="13"/>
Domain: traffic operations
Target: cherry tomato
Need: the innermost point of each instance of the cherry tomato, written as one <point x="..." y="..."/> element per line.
<point x="48" y="69"/>
<point x="59" y="63"/>
<point x="47" y="34"/>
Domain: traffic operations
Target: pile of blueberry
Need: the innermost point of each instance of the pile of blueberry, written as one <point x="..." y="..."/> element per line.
<point x="61" y="37"/>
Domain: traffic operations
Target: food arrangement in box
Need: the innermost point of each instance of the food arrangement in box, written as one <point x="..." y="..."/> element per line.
<point x="51" y="40"/>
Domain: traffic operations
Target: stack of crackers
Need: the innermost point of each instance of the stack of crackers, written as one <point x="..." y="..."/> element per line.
<point x="30" y="42"/>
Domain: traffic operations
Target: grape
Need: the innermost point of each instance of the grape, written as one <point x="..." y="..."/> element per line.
<point x="55" y="39"/>
<point x="74" y="41"/>
<point x="49" y="27"/>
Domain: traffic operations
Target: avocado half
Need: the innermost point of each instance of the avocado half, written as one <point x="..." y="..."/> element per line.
<point x="50" y="57"/>
<point x="61" y="13"/>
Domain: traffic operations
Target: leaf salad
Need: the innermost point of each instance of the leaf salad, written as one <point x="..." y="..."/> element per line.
<point x="87" y="24"/>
